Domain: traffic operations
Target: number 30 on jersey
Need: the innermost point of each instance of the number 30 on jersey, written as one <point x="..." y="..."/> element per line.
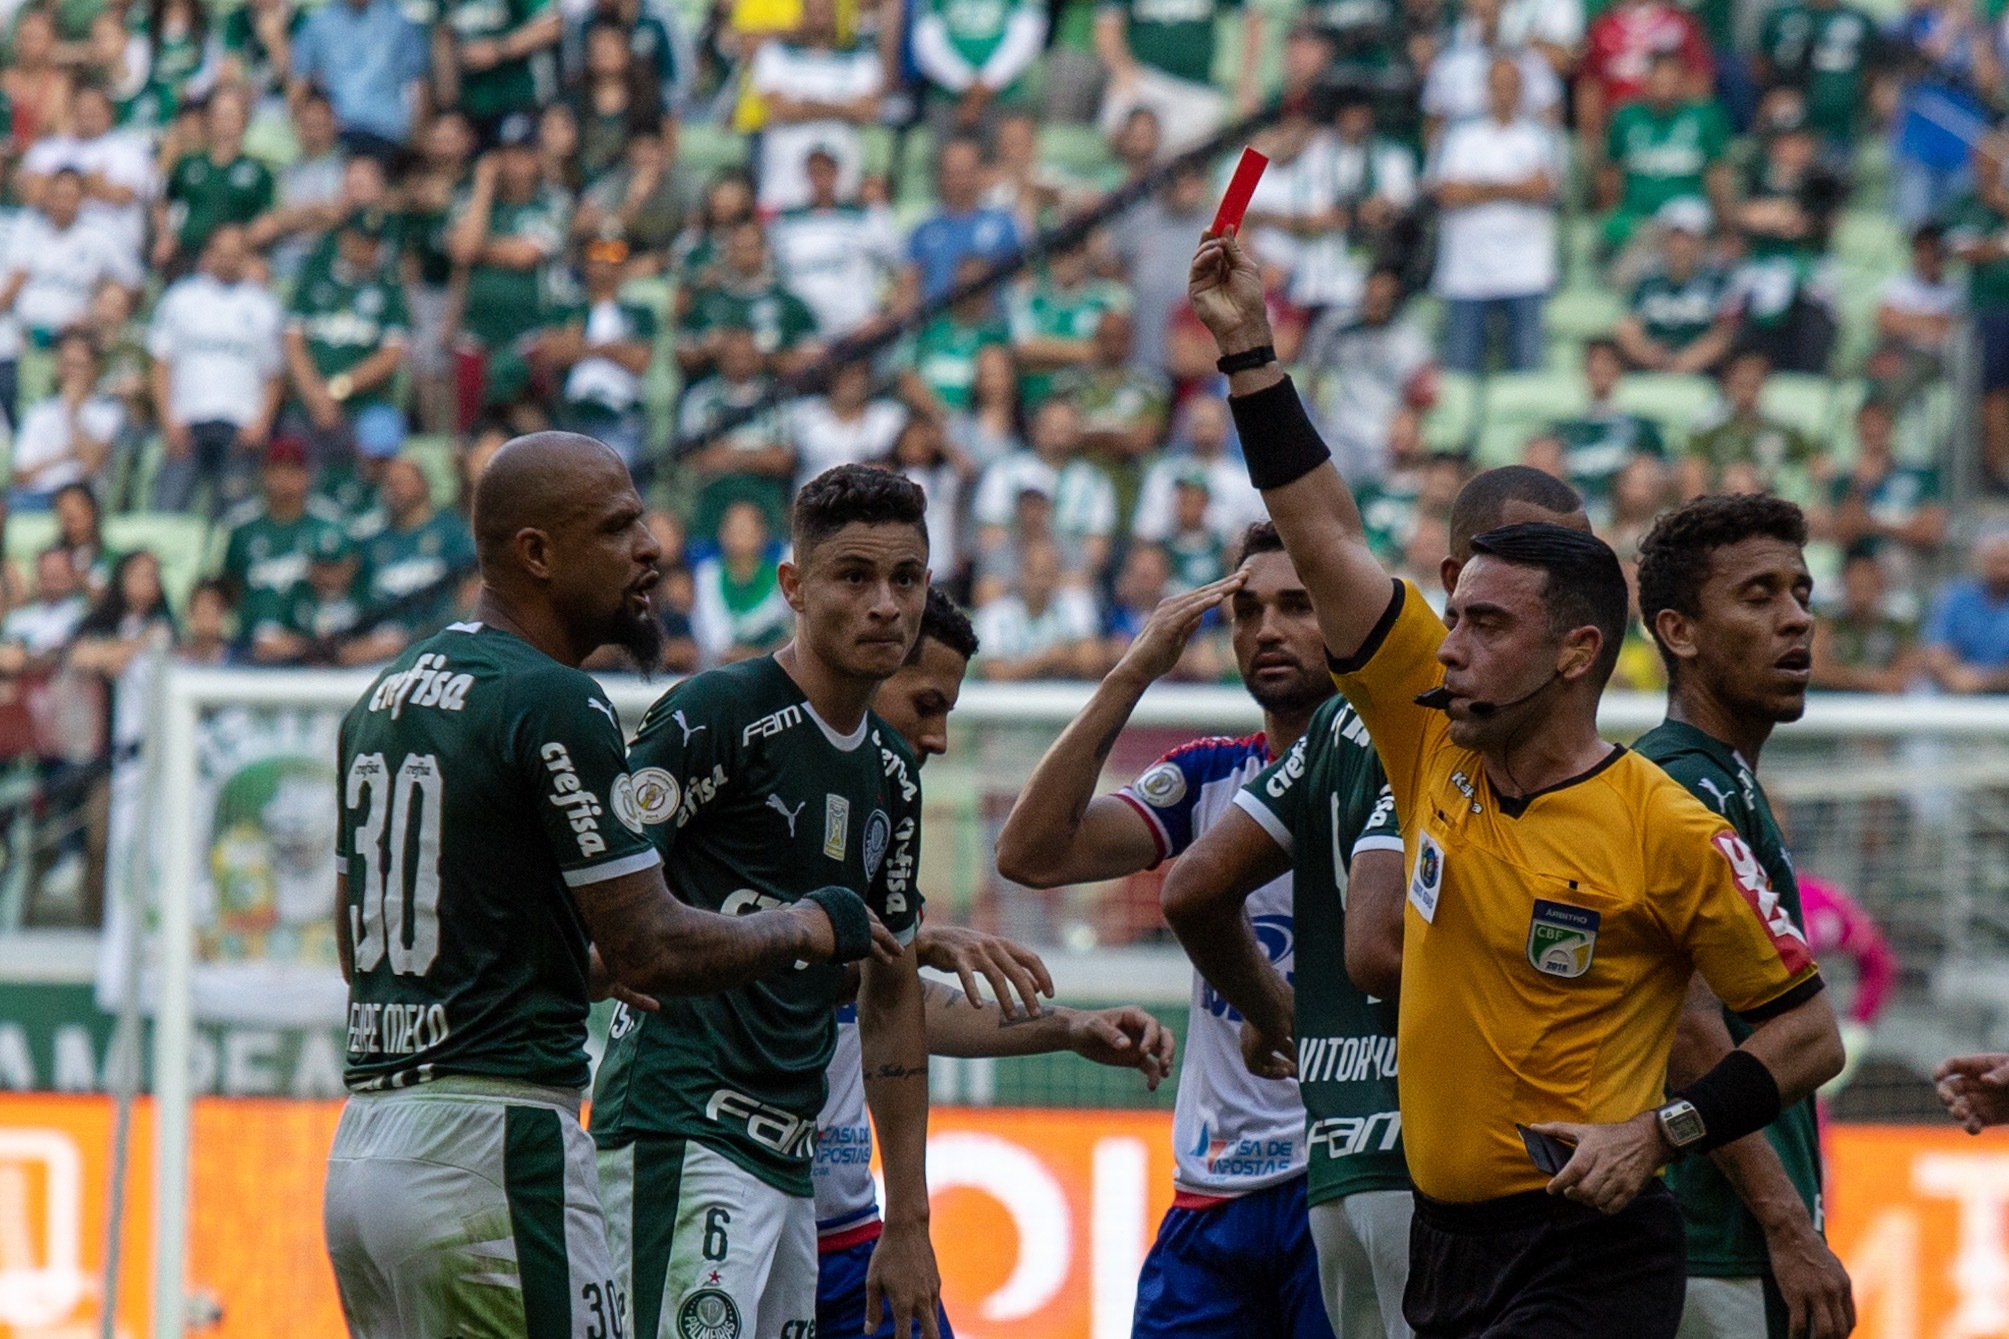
<point x="391" y="863"/>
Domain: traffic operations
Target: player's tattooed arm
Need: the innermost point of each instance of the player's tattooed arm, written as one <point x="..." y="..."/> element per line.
<point x="1124" y="1037"/>
<point x="656" y="945"/>
<point x="1203" y="898"/>
<point x="892" y="1035"/>
<point x="1060" y="831"/>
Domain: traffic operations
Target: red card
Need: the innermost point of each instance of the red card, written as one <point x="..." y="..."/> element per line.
<point x="1241" y="188"/>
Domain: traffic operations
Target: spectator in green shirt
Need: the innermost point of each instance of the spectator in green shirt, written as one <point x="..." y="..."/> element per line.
<point x="751" y="462"/>
<point x="1677" y="319"/>
<point x="1663" y="147"/>
<point x="1124" y="408"/>
<point x="219" y="184"/>
<point x="1054" y="316"/>
<point x="508" y="230"/>
<point x="1824" y="49"/>
<point x="603" y="349"/>
<point x="1864" y="647"/>
<point x="972" y="53"/>
<point x="744" y="293"/>
<point x="1598" y="443"/>
<point x="500" y="58"/>
<point x="272" y="534"/>
<point x="413" y="567"/>
<point x="1741" y="449"/>
<point x="1898" y="509"/>
<point x="345" y="333"/>
<point x="1160" y="55"/>
<point x="941" y="378"/>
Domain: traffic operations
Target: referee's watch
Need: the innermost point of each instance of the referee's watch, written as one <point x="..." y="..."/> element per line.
<point x="1681" y="1124"/>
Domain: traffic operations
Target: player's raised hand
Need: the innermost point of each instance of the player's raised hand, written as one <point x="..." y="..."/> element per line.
<point x="1612" y="1163"/>
<point x="1124" y="1038"/>
<point x="601" y="985"/>
<point x="1011" y="968"/>
<point x="1156" y="649"/>
<point x="1975" y="1089"/>
<point x="1225" y="286"/>
<point x="903" y="1278"/>
<point x="886" y="947"/>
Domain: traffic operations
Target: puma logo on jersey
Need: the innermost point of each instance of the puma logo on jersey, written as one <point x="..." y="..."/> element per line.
<point x="685" y="726"/>
<point x="774" y="802"/>
<point x="605" y="710"/>
<point x="1722" y="800"/>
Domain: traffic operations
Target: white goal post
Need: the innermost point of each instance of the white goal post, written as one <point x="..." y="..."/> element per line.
<point x="1849" y="751"/>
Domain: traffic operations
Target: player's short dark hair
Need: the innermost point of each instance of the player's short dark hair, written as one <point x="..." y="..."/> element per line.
<point x="845" y="494"/>
<point x="1260" y="537"/>
<point x="1482" y="503"/>
<point x="1675" y="556"/>
<point x="1585" y="588"/>
<point x="944" y="621"/>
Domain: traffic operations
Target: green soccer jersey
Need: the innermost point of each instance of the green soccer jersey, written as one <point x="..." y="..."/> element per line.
<point x="1663" y="155"/>
<point x="400" y="564"/>
<point x="1824" y="51"/>
<point x="975" y="28"/>
<point x="1324" y="802"/>
<point x="1778" y="452"/>
<point x="1677" y="312"/>
<point x="265" y="556"/>
<point x="345" y="317"/>
<point x="778" y="318"/>
<point x="753" y="802"/>
<point x="945" y="357"/>
<point x="1598" y="445"/>
<point x="1971" y="220"/>
<point x="1045" y="311"/>
<point x="481" y="781"/>
<point x="1724" y="1240"/>
<point x="520" y="85"/>
<point x="1176" y="36"/>
<point x="204" y="195"/>
<point x="505" y="304"/>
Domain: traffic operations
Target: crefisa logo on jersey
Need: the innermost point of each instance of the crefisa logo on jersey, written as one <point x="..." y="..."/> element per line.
<point x="878" y="831"/>
<point x="708" y="1314"/>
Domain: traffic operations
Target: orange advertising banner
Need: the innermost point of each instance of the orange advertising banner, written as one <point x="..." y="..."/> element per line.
<point x="1041" y="1220"/>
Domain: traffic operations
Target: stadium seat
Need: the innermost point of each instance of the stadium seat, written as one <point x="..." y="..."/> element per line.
<point x="1520" y="405"/>
<point x="1582" y="312"/>
<point x="1074" y="151"/>
<point x="704" y="150"/>
<point x="1449" y="423"/>
<point x="1674" y="401"/>
<point x="180" y="542"/>
<point x="1802" y="399"/>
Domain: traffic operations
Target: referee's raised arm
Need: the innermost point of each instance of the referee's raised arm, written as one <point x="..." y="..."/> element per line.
<point x="1311" y="505"/>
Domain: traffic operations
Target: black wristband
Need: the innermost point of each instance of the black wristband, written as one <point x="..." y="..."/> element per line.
<point x="849" y="918"/>
<point x="1736" y="1098"/>
<point x="1279" y="444"/>
<point x="1248" y="360"/>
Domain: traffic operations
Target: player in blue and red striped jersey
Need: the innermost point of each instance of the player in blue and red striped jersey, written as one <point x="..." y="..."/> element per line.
<point x="1234" y="1255"/>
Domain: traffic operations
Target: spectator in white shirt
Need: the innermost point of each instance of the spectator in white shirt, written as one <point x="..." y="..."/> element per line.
<point x="1495" y="179"/>
<point x="1041" y="629"/>
<point x="216" y="346"/>
<point x="67" y="437"/>
<point x="1917" y="315"/>
<point x="56" y="259"/>
<point x="818" y="94"/>
<point x="843" y="426"/>
<point x="117" y="168"/>
<point x="1233" y="504"/>
<point x="835" y="253"/>
<point x="1084" y="499"/>
<point x="1458" y="83"/>
<point x="1364" y="371"/>
<point x="34" y="635"/>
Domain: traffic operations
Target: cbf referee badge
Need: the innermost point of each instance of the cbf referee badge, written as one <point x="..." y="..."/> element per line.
<point x="1426" y="877"/>
<point x="1561" y="938"/>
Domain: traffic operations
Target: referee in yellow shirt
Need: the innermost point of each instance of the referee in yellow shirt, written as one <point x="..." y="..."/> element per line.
<point x="1561" y="893"/>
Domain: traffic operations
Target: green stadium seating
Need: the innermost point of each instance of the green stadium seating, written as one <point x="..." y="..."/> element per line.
<point x="1521" y="404"/>
<point x="1582" y="312"/>
<point x="434" y="454"/>
<point x="1448" y="424"/>
<point x="180" y="542"/>
<point x="1869" y="238"/>
<point x="1804" y="400"/>
<point x="1672" y="400"/>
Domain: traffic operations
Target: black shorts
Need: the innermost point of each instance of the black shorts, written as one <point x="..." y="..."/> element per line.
<point x="1536" y="1266"/>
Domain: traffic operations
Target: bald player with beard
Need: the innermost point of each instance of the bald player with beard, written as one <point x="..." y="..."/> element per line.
<point x="488" y="843"/>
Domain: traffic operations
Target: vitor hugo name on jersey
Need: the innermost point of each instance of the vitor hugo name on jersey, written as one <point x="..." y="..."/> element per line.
<point x="1231" y="1132"/>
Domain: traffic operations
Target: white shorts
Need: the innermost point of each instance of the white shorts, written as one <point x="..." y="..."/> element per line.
<point x="703" y="1248"/>
<point x="1723" y="1309"/>
<point x="467" y="1207"/>
<point x="1363" y="1262"/>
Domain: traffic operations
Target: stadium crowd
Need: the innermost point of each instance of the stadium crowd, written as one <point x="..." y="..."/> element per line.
<point x="276" y="280"/>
